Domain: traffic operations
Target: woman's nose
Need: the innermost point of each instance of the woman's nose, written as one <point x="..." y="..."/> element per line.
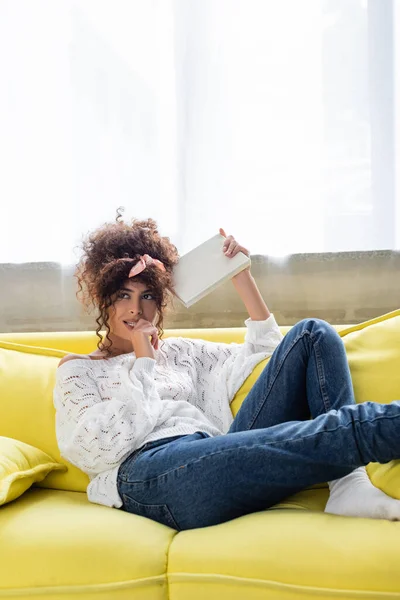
<point x="136" y="310"/>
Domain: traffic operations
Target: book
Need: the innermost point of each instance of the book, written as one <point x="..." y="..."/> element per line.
<point x="204" y="268"/>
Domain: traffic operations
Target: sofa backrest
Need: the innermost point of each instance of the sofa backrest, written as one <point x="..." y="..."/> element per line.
<point x="28" y="364"/>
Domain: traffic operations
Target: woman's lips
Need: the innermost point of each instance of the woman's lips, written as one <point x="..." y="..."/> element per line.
<point x="130" y="327"/>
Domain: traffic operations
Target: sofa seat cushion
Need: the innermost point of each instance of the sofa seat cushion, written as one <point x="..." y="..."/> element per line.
<point x="293" y="550"/>
<point x="56" y="544"/>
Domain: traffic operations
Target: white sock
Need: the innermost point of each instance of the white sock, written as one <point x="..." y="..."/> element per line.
<point x="355" y="496"/>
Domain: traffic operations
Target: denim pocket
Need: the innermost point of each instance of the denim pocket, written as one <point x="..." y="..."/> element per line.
<point x="155" y="512"/>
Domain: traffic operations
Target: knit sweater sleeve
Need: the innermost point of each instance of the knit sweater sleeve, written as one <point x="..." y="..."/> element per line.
<point x="223" y="367"/>
<point x="96" y="432"/>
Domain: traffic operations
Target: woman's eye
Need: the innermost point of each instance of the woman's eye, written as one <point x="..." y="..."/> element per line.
<point x="122" y="295"/>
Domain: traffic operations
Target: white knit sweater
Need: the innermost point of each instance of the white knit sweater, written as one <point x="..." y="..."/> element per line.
<point x="107" y="408"/>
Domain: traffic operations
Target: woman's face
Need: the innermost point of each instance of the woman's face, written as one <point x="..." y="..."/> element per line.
<point x="132" y="302"/>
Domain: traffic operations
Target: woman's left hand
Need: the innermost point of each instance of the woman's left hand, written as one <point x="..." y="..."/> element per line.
<point x="231" y="247"/>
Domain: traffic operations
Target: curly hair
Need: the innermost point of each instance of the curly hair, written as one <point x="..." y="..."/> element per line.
<point x="109" y="253"/>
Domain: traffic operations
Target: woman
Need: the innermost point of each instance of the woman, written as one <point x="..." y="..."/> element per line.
<point x="149" y="420"/>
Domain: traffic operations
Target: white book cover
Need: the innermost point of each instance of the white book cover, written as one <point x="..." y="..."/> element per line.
<point x="205" y="268"/>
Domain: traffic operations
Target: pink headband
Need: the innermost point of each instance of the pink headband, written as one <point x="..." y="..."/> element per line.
<point x="143" y="262"/>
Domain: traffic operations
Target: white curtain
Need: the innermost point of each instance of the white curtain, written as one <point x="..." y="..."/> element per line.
<point x="274" y="119"/>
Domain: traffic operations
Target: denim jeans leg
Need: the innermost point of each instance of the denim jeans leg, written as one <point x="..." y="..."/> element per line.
<point x="193" y="482"/>
<point x="307" y="375"/>
<point x="276" y="449"/>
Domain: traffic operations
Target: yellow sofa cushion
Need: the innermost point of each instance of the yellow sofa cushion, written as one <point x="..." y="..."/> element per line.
<point x="27" y="413"/>
<point x="288" y="554"/>
<point x="21" y="465"/>
<point x="57" y="545"/>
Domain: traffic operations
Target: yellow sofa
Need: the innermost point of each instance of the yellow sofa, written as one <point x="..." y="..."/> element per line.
<point x="54" y="544"/>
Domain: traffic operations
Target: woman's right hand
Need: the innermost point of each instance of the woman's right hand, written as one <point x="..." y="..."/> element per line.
<point x="142" y="331"/>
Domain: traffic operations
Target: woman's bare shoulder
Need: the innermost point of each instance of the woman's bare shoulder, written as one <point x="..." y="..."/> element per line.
<point x="96" y="355"/>
<point x="69" y="357"/>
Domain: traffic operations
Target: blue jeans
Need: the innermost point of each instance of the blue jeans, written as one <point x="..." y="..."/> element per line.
<point x="298" y="426"/>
